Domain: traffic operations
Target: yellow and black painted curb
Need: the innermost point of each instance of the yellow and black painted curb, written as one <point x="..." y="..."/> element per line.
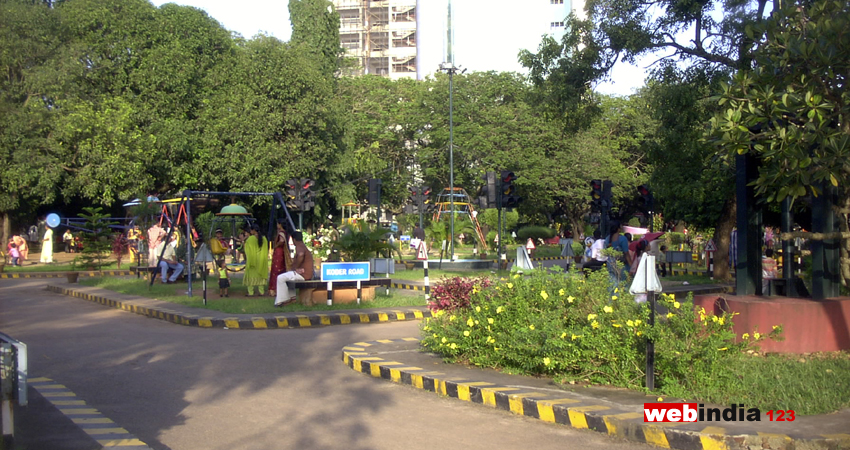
<point x="409" y="287"/>
<point x="290" y="320"/>
<point x="91" y="273"/>
<point x="582" y="413"/>
<point x="93" y="422"/>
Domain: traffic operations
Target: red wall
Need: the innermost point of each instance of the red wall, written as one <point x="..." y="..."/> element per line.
<point x="808" y="325"/>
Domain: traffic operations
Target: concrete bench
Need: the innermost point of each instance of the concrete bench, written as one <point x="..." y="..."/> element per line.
<point x="315" y="292"/>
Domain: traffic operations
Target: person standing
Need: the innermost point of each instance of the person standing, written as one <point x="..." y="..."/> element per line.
<point x="223" y="279"/>
<point x="302" y="270"/>
<point x="620" y="243"/>
<point x="281" y="259"/>
<point x="256" y="262"/>
<point x="15" y="254"/>
<point x="22" y="246"/>
<point x="47" y="246"/>
<point x="68" y="239"/>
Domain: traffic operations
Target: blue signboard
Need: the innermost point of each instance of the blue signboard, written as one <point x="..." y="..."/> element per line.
<point x="345" y="271"/>
<point x="404" y="238"/>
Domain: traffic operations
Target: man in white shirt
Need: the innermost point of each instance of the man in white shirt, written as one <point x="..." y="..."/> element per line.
<point x="169" y="261"/>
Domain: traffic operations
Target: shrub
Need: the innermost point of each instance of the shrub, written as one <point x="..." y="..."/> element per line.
<point x="570" y="327"/>
<point x="535" y="232"/>
<point x="454" y="293"/>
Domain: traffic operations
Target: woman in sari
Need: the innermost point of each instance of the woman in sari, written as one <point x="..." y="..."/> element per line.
<point x="256" y="262"/>
<point x="281" y="258"/>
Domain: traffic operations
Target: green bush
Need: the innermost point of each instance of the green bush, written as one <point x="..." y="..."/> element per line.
<point x="570" y="328"/>
<point x="535" y="232"/>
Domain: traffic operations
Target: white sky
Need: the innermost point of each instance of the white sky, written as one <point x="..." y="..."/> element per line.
<point x="250" y="17"/>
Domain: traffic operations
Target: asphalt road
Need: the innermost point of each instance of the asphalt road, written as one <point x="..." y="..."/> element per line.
<point x="186" y="388"/>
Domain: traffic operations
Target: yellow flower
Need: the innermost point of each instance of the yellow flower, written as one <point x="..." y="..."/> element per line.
<point x="722" y="349"/>
<point x="546" y="361"/>
<point x="499" y="310"/>
<point x="496" y="348"/>
<point x="490" y="320"/>
<point x="470" y="322"/>
<point x="531" y="327"/>
<point x="476" y="289"/>
<point x="669" y="315"/>
<point x="477" y="309"/>
<point x="721" y="320"/>
<point x="561" y="292"/>
<point x="453" y="346"/>
<point x="563" y="335"/>
<point x="490" y="339"/>
<point x="591" y="316"/>
<point x="676" y="305"/>
<point x="616" y="290"/>
<point x="444" y="340"/>
<point x="608" y="309"/>
<point x="616" y="325"/>
<point x="466" y="333"/>
<point x="503" y="279"/>
<point x="439" y="313"/>
<point x="510" y="285"/>
<point x="594" y="324"/>
<point x="570" y="299"/>
<point x="775" y="327"/>
<point x="638" y="322"/>
<point x="757" y="335"/>
<point x="574" y="337"/>
<point x="544" y="294"/>
<point x="630" y="323"/>
<point x="638" y="333"/>
<point x="516" y="276"/>
<point x="613" y="297"/>
<point x="476" y="322"/>
<point x="452" y="318"/>
<point x="745" y="336"/>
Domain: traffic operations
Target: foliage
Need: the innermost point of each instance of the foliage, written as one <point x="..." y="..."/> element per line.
<point x="96" y="243"/>
<point x="570" y="327"/>
<point x="535" y="232"/>
<point x="792" y="111"/>
<point x="359" y="242"/>
<point x="490" y="218"/>
<point x="120" y="246"/>
<point x="454" y="293"/>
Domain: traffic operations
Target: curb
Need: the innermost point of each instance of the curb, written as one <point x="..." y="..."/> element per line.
<point x="291" y="320"/>
<point x="590" y="414"/>
<point x="62" y="274"/>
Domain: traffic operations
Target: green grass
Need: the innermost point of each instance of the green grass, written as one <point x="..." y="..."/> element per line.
<point x="59" y="267"/>
<point x="241" y="305"/>
<point x="437" y="274"/>
<point x="809" y="384"/>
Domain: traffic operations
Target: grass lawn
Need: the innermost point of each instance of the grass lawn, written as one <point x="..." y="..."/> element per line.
<point x="816" y="383"/>
<point x="436" y="274"/>
<point x="58" y="267"/>
<point x="237" y="302"/>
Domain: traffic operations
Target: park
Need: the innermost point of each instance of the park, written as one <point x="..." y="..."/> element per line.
<point x="688" y="242"/>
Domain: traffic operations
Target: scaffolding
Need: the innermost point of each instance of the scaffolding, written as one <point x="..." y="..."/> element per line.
<point x="462" y="205"/>
<point x="381" y="35"/>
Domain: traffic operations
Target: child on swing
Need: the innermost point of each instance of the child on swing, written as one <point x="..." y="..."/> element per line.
<point x="223" y="279"/>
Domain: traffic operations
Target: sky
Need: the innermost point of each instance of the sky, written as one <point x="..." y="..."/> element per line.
<point x="271" y="17"/>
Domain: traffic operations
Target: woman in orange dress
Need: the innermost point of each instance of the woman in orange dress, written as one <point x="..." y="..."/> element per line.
<point x="22" y="246"/>
<point x="280" y="258"/>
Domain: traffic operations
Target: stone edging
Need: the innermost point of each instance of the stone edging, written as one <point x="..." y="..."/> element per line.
<point x="290" y="320"/>
<point x="582" y="414"/>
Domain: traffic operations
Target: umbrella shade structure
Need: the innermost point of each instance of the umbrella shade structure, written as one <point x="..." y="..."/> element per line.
<point x="648" y="237"/>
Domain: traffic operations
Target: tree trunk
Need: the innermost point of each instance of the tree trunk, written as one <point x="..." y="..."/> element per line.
<point x="5" y="228"/>
<point x="723" y="239"/>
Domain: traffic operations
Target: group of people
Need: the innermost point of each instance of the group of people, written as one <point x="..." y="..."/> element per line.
<point x="18" y="249"/>
<point x="629" y="252"/>
<point x="258" y="274"/>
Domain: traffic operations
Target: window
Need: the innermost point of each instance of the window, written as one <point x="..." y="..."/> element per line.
<point x="557" y="24"/>
<point x="556" y="2"/>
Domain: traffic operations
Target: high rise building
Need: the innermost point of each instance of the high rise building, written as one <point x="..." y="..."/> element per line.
<point x="410" y="38"/>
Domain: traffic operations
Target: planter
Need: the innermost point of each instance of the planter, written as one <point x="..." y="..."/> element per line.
<point x="409" y="265"/>
<point x="72" y="276"/>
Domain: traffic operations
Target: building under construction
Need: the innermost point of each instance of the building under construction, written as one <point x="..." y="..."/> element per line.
<point x="381" y="35"/>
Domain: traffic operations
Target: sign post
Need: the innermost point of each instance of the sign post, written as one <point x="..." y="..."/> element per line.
<point x="344" y="271"/>
<point x="710" y="248"/>
<point x="422" y="255"/>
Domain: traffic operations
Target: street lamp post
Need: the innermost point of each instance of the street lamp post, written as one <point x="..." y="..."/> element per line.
<point x="451" y="69"/>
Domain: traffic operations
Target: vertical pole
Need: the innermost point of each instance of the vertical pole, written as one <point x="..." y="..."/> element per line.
<point x="330" y="293"/>
<point x="650" y="346"/>
<point x="427" y="283"/>
<point x="358" y="292"/>
<point x="825" y="255"/>
<point x="788" y="250"/>
<point x="205" y="284"/>
<point x="748" y="271"/>
<point x="451" y="152"/>
<point x="300" y="220"/>
<point x="501" y="238"/>
<point x="187" y="203"/>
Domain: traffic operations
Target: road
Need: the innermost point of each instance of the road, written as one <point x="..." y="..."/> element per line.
<point x="184" y="388"/>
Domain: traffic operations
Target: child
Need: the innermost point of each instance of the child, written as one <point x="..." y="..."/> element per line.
<point x="768" y="271"/>
<point x="223" y="279"/>
<point x="15" y="254"/>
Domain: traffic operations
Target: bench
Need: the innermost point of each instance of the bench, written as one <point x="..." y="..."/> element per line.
<point x="315" y="292"/>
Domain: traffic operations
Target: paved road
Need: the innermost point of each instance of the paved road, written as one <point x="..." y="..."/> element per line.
<point x="186" y="388"/>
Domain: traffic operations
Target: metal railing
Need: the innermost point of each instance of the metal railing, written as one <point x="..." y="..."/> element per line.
<point x="13" y="381"/>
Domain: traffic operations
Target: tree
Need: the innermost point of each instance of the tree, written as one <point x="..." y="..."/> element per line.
<point x="792" y="110"/>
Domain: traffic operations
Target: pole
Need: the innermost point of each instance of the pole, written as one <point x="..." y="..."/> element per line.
<point x="650" y="346"/>
<point x="501" y="238"/>
<point x="187" y="203"/>
<point x="427" y="283"/>
<point x="451" y="158"/>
